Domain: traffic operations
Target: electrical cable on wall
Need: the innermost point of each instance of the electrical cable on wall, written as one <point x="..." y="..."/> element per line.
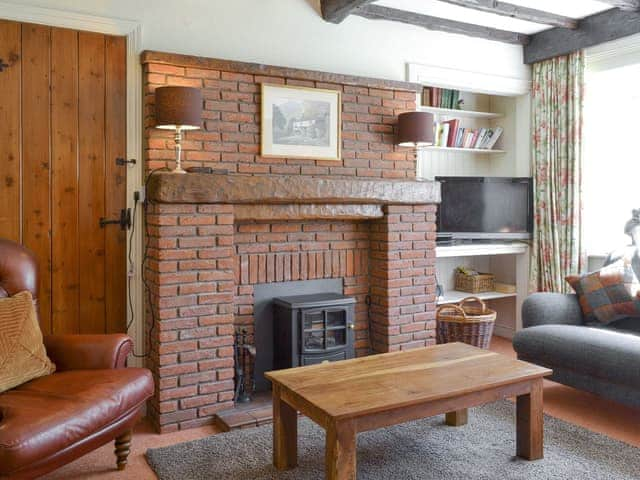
<point x="142" y="267"/>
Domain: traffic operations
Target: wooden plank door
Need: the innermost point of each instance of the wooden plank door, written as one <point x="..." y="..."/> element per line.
<point x="62" y="125"/>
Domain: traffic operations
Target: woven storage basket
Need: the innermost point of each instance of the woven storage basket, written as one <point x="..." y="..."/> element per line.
<point x="482" y="282"/>
<point x="472" y="324"/>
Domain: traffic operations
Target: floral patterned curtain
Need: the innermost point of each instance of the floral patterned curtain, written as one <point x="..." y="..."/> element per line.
<point x="557" y="101"/>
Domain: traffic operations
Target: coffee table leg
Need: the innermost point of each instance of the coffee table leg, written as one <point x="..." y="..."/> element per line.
<point x="340" y="453"/>
<point x="285" y="433"/>
<point x="530" y="423"/>
<point x="456" y="418"/>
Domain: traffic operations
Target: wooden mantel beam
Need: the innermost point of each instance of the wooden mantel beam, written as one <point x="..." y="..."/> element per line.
<point x="629" y="5"/>
<point x="593" y="30"/>
<point x="376" y="12"/>
<point x="335" y="11"/>
<point x="516" y="11"/>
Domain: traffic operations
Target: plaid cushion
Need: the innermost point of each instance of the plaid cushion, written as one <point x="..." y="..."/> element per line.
<point x="608" y="294"/>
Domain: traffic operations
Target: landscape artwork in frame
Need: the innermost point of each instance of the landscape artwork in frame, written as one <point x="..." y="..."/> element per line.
<point x="300" y="122"/>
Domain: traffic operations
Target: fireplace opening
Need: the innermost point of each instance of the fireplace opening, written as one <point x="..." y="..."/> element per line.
<point x="263" y="314"/>
<point x="311" y="329"/>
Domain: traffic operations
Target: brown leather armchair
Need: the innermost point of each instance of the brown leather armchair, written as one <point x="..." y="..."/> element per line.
<point x="90" y="400"/>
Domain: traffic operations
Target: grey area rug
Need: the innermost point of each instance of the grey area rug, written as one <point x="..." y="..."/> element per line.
<point x="421" y="450"/>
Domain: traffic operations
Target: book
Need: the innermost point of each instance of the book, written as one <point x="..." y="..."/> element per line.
<point x="426" y="96"/>
<point x="474" y="138"/>
<point x="456" y="97"/>
<point x="496" y="135"/>
<point x="485" y="140"/>
<point x="480" y="137"/>
<point x="444" y="135"/>
<point x="445" y="98"/>
<point x="453" y="132"/>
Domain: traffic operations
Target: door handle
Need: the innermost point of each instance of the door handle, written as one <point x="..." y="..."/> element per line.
<point x="124" y="221"/>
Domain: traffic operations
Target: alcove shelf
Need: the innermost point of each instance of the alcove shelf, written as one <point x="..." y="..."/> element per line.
<point x="450" y="112"/>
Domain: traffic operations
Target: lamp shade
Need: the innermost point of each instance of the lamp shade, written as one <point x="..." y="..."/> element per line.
<point x="415" y="129"/>
<point x="178" y="107"/>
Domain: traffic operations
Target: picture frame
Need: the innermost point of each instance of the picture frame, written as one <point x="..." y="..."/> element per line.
<point x="300" y="122"/>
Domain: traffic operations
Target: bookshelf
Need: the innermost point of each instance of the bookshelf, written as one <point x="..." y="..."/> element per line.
<point x="465" y="123"/>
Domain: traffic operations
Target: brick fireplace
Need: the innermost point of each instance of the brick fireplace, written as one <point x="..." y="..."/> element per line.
<point x="213" y="237"/>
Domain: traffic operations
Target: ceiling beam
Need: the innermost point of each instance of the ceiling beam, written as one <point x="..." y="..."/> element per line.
<point x="628" y="5"/>
<point x="593" y="30"/>
<point x="335" y="11"/>
<point x="516" y="11"/>
<point x="376" y="12"/>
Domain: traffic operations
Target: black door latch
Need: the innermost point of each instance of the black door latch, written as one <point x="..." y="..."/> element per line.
<point x="124" y="221"/>
<point x="121" y="162"/>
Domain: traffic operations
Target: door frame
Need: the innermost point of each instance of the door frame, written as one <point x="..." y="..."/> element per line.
<point x="132" y="30"/>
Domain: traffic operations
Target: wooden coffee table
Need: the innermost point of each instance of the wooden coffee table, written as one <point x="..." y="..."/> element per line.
<point x="377" y="391"/>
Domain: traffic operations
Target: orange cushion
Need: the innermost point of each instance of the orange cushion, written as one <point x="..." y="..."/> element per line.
<point x="22" y="353"/>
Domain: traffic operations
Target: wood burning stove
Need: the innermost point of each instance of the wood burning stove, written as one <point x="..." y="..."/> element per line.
<point x="311" y="329"/>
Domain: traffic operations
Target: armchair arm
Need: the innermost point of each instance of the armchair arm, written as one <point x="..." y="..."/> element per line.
<point x="88" y="352"/>
<point x="551" y="308"/>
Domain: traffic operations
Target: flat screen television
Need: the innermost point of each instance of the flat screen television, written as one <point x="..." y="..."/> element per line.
<point x="486" y="208"/>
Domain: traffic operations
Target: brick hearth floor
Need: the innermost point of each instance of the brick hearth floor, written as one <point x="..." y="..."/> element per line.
<point x="562" y="402"/>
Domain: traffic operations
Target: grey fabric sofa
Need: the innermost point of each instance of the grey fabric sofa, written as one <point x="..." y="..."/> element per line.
<point x="604" y="360"/>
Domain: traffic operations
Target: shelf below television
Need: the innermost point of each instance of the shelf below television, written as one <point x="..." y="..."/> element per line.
<point x="450" y="112"/>
<point x="480" y="151"/>
<point x="454" y="296"/>
<point x="475" y="249"/>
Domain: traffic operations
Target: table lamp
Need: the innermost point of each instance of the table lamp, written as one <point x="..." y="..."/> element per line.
<point x="415" y="129"/>
<point x="178" y="109"/>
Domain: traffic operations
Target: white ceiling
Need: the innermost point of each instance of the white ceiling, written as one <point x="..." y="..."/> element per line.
<point x="568" y="8"/>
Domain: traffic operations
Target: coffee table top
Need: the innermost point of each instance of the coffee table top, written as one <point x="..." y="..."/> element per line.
<point x="375" y="383"/>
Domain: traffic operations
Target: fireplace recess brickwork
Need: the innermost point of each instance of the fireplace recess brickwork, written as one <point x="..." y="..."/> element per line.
<point x="211" y="238"/>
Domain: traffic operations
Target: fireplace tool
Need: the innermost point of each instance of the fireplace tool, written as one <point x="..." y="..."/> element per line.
<point x="242" y="351"/>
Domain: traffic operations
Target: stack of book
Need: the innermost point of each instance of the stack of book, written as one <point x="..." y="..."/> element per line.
<point x="440" y="97"/>
<point x="450" y="134"/>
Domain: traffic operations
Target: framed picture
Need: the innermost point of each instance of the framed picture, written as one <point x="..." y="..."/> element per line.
<point x="300" y="122"/>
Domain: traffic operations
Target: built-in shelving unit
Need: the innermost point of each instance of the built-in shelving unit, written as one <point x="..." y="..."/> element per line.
<point x="450" y="112"/>
<point x="508" y="261"/>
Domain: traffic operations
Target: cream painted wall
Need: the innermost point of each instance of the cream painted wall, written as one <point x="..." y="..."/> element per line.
<point x="292" y="33"/>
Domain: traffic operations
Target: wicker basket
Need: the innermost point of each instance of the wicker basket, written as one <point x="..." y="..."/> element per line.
<point x="482" y="282"/>
<point x="472" y="324"/>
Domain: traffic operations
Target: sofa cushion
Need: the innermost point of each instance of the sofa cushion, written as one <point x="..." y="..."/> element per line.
<point x="608" y="294"/>
<point x="603" y="353"/>
<point x="48" y="414"/>
<point x="22" y="353"/>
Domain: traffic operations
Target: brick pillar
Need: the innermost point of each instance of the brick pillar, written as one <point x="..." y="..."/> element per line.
<point x="189" y="272"/>
<point x="402" y="278"/>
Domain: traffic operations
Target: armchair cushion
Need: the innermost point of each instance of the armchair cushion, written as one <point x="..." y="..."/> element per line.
<point x="87" y="352"/>
<point x="608" y="294"/>
<point x="22" y="353"/>
<point x="48" y="416"/>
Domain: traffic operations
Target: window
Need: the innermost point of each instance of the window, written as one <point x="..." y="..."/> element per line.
<point x="611" y="174"/>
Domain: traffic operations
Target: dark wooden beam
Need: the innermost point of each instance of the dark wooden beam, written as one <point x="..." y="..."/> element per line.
<point x="629" y="5"/>
<point x="376" y="12"/>
<point x="593" y="30"/>
<point x="335" y="11"/>
<point x="516" y="11"/>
